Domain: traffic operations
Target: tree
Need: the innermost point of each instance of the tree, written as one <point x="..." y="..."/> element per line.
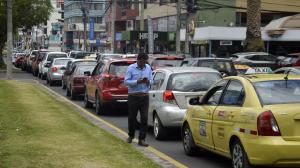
<point x="26" y="13"/>
<point x="253" y="36"/>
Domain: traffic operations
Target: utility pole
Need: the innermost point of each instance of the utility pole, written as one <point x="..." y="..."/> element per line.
<point x="142" y="28"/>
<point x="186" y="46"/>
<point x="9" y="40"/>
<point x="84" y="18"/>
<point x="178" y="26"/>
<point x="114" y="5"/>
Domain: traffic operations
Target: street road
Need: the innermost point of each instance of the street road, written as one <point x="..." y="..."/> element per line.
<point x="172" y="147"/>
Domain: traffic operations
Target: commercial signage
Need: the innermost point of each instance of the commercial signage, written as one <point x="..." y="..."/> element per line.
<point x="91" y="31"/>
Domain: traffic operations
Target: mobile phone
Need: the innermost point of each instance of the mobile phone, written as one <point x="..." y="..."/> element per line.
<point x="144" y="79"/>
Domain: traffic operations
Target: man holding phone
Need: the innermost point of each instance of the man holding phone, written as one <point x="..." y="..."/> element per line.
<point x="138" y="78"/>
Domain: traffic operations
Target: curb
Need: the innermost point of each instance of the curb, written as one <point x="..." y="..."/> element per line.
<point x="150" y="152"/>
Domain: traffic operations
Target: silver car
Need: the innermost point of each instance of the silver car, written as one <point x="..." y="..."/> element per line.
<point x="291" y="70"/>
<point x="169" y="96"/>
<point x="255" y="59"/>
<point x="48" y="60"/>
<point x="56" y="70"/>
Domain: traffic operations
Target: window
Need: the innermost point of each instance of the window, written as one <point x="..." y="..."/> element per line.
<point x="234" y="94"/>
<point x="213" y="96"/>
<point x="158" y="80"/>
<point x="98" y="69"/>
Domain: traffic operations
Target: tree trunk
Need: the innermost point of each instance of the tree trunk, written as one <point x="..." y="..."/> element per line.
<point x="253" y="41"/>
<point x="2" y="64"/>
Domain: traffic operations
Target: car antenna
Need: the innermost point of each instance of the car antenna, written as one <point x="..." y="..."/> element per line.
<point x="286" y="77"/>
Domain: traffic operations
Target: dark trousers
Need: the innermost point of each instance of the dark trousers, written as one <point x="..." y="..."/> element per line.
<point x="138" y="104"/>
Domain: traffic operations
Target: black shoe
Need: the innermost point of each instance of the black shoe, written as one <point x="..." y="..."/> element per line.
<point x="143" y="143"/>
<point x="129" y="140"/>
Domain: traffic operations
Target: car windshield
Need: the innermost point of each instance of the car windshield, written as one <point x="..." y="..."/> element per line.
<point x="220" y="65"/>
<point x="192" y="81"/>
<point x="167" y="62"/>
<point x="52" y="56"/>
<point x="118" y="69"/>
<point x="278" y="92"/>
<point x="61" y="62"/>
<point x="81" y="55"/>
<point x="83" y="68"/>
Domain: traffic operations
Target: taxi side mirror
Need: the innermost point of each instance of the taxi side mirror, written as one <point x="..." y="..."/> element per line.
<point x="87" y="73"/>
<point x="195" y="101"/>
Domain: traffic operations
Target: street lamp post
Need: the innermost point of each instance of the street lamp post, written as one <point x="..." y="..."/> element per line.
<point x="84" y="18"/>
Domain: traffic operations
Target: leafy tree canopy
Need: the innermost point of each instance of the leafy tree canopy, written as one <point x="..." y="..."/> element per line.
<point x="26" y="13"/>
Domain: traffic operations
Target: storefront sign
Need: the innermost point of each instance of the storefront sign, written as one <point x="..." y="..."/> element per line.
<point x="143" y="36"/>
<point x="225" y="42"/>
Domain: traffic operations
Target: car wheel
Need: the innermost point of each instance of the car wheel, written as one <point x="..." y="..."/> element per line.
<point x="51" y="82"/>
<point x="68" y="92"/>
<point x="100" y="108"/>
<point x="39" y="75"/>
<point x="72" y="94"/>
<point x="87" y="103"/>
<point x="158" y="129"/>
<point x="239" y="156"/>
<point x="188" y="141"/>
<point x="47" y="80"/>
<point x="63" y="85"/>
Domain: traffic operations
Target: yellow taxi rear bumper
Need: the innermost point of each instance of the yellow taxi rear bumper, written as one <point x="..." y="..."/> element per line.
<point x="273" y="151"/>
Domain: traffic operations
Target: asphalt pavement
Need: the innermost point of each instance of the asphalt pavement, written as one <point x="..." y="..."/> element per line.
<point x="171" y="147"/>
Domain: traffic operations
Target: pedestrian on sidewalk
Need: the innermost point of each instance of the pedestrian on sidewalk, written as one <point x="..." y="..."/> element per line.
<point x="138" y="78"/>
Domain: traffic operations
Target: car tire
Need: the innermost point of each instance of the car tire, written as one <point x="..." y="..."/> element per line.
<point x="239" y="156"/>
<point x="68" y="93"/>
<point x="72" y="94"/>
<point x="39" y="75"/>
<point x="47" y="80"/>
<point x="158" y="129"/>
<point x="188" y="141"/>
<point x="87" y="103"/>
<point x="100" y="107"/>
<point x="63" y="85"/>
<point x="51" y="82"/>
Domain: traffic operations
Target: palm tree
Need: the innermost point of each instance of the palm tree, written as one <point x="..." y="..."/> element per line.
<point x="253" y="37"/>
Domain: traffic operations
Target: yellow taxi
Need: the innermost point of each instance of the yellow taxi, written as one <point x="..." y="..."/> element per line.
<point x="252" y="119"/>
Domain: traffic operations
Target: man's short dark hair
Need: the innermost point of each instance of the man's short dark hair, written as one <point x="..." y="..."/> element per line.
<point x="142" y="56"/>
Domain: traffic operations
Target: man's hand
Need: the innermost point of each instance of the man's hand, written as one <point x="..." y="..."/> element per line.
<point x="143" y="81"/>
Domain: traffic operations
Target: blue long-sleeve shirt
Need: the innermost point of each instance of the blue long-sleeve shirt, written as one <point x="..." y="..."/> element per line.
<point x="134" y="73"/>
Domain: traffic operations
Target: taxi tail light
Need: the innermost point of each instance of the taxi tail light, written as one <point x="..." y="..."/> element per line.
<point x="54" y="69"/>
<point x="107" y="77"/>
<point x="169" y="97"/>
<point x="267" y="125"/>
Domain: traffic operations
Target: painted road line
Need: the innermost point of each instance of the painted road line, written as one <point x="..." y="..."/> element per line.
<point x="151" y="149"/>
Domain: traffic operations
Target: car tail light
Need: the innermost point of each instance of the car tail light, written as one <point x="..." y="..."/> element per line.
<point x="267" y="125"/>
<point x="78" y="81"/>
<point x="297" y="63"/>
<point x="169" y="97"/>
<point x="54" y="69"/>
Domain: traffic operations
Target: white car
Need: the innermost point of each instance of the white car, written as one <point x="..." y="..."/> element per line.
<point x="56" y="70"/>
<point x="172" y="89"/>
<point x="48" y="60"/>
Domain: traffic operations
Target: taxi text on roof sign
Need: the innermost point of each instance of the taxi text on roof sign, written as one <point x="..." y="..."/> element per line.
<point x="259" y="70"/>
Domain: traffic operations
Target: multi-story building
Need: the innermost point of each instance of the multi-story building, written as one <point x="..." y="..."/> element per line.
<point x="75" y="12"/>
<point x="53" y="38"/>
<point x="126" y="13"/>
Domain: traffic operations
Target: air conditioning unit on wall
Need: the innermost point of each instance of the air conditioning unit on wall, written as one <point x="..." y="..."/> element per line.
<point x="129" y="25"/>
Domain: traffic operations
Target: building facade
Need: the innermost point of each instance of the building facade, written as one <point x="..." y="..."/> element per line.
<point x="76" y="13"/>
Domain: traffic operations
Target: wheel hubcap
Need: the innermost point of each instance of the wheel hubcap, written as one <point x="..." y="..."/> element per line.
<point x="186" y="139"/>
<point x="237" y="156"/>
<point x="155" y="126"/>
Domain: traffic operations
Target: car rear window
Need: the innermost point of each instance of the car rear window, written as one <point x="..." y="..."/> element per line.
<point x="163" y="62"/>
<point x="278" y="91"/>
<point x="112" y="56"/>
<point x="118" y="68"/>
<point x="220" y="65"/>
<point x="81" y="55"/>
<point x="83" y="68"/>
<point x="52" y="56"/>
<point x="61" y="62"/>
<point x="192" y="81"/>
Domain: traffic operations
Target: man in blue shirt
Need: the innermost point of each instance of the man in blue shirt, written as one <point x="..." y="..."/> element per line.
<point x="138" y="78"/>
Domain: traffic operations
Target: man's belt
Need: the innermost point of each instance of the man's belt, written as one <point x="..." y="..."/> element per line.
<point x="138" y="94"/>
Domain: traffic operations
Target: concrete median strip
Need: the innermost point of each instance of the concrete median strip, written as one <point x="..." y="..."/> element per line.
<point x="150" y="152"/>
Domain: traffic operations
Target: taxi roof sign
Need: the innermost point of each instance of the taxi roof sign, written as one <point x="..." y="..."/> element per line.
<point x="259" y="70"/>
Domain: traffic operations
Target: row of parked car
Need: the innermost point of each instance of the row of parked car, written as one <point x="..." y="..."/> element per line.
<point x="247" y="118"/>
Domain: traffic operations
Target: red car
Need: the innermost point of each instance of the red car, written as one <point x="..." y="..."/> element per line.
<point x="106" y="84"/>
<point x="77" y="80"/>
<point x="160" y="60"/>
